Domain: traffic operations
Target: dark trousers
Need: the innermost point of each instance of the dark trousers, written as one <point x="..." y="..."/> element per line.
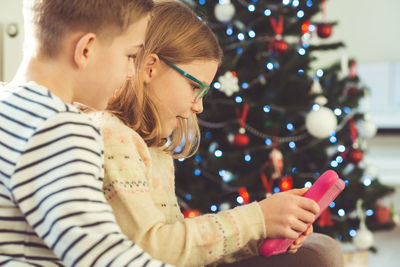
<point x="317" y="251"/>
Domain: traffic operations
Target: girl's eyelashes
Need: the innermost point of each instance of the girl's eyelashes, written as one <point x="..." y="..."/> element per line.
<point x="133" y="56"/>
<point x="195" y="86"/>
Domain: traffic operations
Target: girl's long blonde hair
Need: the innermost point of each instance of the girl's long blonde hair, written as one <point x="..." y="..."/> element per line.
<point x="176" y="34"/>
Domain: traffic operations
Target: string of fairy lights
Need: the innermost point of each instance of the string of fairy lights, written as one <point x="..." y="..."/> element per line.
<point x="282" y="139"/>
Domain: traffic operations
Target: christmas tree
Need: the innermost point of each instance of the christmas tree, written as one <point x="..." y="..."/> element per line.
<point x="272" y="122"/>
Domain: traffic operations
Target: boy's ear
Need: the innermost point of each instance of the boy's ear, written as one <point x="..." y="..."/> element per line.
<point x="83" y="49"/>
<point x="152" y="65"/>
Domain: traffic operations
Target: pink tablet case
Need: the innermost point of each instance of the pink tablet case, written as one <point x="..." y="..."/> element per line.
<point x="327" y="187"/>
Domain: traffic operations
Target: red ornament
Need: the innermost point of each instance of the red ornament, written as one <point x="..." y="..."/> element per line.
<point x="241" y="140"/>
<point x="267" y="182"/>
<point x="325" y="219"/>
<point x="286" y="183"/>
<point x="352" y="91"/>
<point x="324" y="30"/>
<point x="353" y="68"/>
<point x="191" y="213"/>
<point x="355" y="155"/>
<point x="305" y="27"/>
<point x="278" y="46"/>
<point x="244" y="194"/>
<point x="383" y="214"/>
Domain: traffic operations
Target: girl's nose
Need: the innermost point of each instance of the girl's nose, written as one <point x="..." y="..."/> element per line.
<point x="197" y="107"/>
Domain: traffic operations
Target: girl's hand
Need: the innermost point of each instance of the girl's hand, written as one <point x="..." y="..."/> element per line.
<point x="288" y="213"/>
<point x="300" y="240"/>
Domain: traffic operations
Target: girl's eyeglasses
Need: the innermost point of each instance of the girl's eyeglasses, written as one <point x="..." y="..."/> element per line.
<point x="203" y="87"/>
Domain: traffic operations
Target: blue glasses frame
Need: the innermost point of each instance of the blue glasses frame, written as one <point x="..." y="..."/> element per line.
<point x="203" y="87"/>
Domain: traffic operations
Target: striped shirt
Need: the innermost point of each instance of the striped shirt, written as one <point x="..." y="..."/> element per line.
<point x="52" y="209"/>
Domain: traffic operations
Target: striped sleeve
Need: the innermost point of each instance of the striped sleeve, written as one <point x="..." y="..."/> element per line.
<point x="57" y="186"/>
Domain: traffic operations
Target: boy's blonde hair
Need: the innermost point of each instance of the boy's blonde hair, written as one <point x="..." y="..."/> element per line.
<point x="48" y="21"/>
<point x="176" y="34"/>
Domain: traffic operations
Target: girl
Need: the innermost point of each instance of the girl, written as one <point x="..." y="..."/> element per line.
<point x="180" y="59"/>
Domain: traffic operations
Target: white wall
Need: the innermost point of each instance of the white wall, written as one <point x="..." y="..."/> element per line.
<point x="10" y="48"/>
<point x="369" y="28"/>
<point x="384" y="153"/>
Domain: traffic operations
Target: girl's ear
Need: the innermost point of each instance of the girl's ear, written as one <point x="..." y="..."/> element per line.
<point x="152" y="65"/>
<point x="84" y="49"/>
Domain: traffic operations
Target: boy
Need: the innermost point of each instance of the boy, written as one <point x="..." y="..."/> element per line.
<point x="52" y="209"/>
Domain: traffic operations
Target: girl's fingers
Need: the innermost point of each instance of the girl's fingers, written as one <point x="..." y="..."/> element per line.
<point x="299" y="226"/>
<point x="293" y="249"/>
<point x="306" y="216"/>
<point x="297" y="243"/>
<point x="309" y="230"/>
<point x="309" y="204"/>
